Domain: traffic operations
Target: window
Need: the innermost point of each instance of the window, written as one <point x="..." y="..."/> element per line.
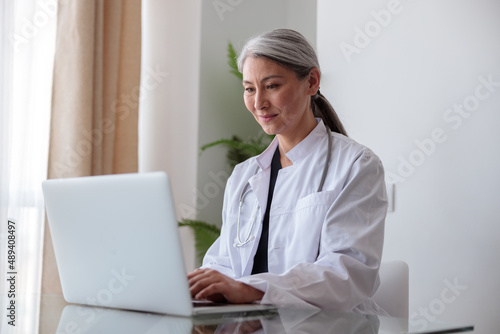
<point x="27" y="45"/>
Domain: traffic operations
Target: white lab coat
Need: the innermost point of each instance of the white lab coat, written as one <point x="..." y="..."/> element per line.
<point x="324" y="247"/>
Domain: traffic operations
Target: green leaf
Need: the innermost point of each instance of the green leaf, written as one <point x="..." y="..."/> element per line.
<point x="239" y="150"/>
<point x="205" y="235"/>
<point x="232" y="60"/>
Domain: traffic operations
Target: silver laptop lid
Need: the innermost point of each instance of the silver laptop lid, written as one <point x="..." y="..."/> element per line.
<point x="116" y="242"/>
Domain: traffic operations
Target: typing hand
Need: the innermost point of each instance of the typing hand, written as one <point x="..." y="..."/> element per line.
<point x="212" y="285"/>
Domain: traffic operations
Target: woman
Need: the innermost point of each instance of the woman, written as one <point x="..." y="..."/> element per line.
<point x="303" y="223"/>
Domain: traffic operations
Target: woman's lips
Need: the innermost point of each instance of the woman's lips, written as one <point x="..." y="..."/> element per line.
<point x="267" y="118"/>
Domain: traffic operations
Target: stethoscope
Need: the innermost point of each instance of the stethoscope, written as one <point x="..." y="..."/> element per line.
<point x="250" y="237"/>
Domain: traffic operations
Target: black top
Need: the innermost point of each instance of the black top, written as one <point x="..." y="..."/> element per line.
<point x="260" y="259"/>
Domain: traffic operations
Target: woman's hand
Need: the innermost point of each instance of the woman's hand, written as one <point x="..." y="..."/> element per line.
<point x="212" y="285"/>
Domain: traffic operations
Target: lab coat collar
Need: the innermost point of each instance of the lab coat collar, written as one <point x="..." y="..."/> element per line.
<point x="265" y="158"/>
<point x="307" y="145"/>
<point x="300" y="151"/>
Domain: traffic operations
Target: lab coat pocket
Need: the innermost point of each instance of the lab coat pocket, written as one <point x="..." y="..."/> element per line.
<point x="301" y="227"/>
<point x="324" y="198"/>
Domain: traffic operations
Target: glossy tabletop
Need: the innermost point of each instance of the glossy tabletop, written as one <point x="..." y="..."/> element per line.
<point x="57" y="316"/>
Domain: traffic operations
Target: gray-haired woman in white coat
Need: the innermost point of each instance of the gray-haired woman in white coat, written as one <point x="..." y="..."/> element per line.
<point x="303" y="222"/>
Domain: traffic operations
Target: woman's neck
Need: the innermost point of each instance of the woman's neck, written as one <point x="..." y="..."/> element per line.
<point x="288" y="142"/>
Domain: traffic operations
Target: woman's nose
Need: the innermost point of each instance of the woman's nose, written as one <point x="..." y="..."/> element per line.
<point x="261" y="102"/>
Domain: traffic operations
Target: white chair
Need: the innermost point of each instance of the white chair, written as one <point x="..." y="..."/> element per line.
<point x="393" y="292"/>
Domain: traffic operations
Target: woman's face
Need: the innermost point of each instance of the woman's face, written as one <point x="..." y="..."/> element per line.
<point x="278" y="100"/>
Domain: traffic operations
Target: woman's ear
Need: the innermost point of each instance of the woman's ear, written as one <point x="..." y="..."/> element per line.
<point x="314" y="80"/>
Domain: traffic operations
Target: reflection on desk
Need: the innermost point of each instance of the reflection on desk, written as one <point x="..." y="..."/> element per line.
<point x="86" y="319"/>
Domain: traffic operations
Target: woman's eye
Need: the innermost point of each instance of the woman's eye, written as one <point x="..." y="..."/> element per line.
<point x="272" y="86"/>
<point x="249" y="90"/>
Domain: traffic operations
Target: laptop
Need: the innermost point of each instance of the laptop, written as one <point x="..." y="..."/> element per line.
<point x="117" y="244"/>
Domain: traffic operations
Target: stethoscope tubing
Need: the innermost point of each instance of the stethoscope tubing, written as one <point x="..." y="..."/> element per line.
<point x="243" y="193"/>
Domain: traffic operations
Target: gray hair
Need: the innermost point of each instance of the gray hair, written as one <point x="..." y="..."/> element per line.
<point x="291" y="50"/>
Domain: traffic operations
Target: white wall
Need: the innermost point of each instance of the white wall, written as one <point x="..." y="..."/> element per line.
<point x="168" y="117"/>
<point x="222" y="112"/>
<point x="401" y="88"/>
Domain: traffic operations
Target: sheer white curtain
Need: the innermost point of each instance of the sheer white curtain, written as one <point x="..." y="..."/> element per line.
<point x="27" y="50"/>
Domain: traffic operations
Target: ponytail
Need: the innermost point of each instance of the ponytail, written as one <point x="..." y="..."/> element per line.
<point x="323" y="109"/>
